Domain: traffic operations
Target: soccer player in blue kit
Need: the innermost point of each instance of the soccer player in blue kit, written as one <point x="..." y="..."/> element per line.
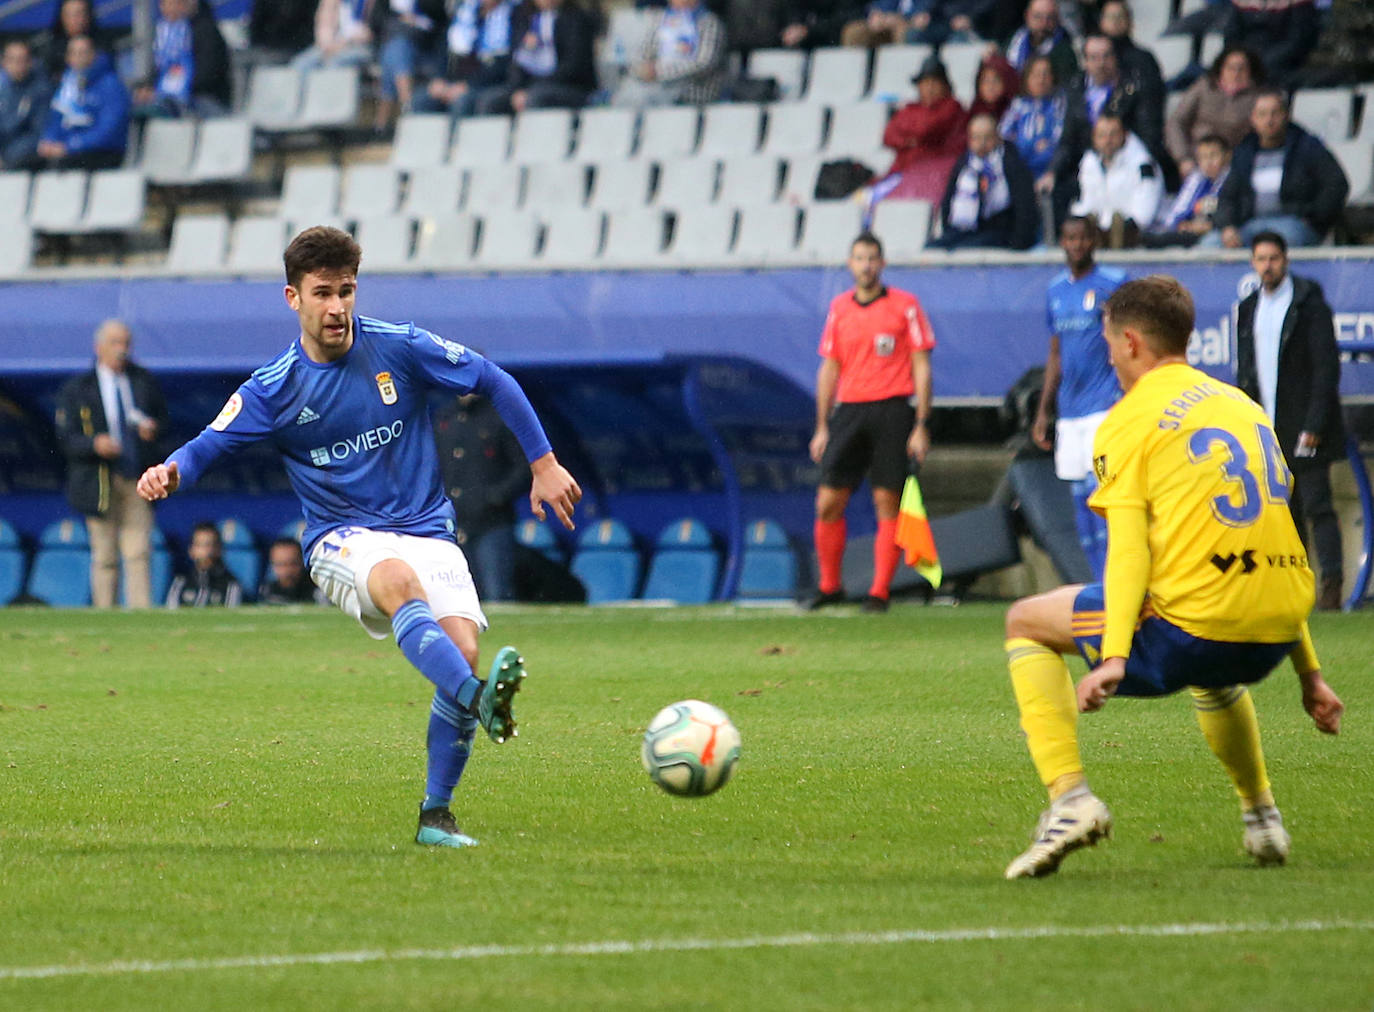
<point x="345" y="406"/>
<point x="1078" y="376"/>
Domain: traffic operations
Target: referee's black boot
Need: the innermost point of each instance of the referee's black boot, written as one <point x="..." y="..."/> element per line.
<point x="873" y="604"/>
<point x="822" y="599"/>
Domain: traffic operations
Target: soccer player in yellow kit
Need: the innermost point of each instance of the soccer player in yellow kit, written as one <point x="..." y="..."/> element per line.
<point x="1207" y="585"/>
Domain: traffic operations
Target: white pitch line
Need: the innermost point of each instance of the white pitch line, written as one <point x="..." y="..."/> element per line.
<point x="616" y="948"/>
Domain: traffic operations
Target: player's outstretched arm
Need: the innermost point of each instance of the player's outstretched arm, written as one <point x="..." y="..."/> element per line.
<point x="554" y="485"/>
<point x="159" y="481"/>
<point x="1321" y="703"/>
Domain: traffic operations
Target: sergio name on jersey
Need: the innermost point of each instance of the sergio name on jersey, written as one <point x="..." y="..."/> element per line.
<point x="1225" y="559"/>
<point x="355" y="434"/>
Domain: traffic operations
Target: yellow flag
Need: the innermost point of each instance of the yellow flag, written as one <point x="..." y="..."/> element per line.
<point x="914" y="536"/>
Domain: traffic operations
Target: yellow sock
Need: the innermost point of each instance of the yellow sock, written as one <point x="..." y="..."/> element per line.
<point x="1049" y="713"/>
<point x="1227" y="718"/>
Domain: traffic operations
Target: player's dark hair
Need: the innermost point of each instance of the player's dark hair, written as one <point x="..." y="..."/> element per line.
<point x="867" y="238"/>
<point x="321" y="249"/>
<point x="1157" y="306"/>
<point x="1270" y="237"/>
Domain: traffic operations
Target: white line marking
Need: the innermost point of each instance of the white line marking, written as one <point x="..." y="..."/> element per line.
<point x="617" y="948"/>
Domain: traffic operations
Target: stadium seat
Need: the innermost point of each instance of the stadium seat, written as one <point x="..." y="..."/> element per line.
<point x="433" y="190"/>
<point x="493" y="188"/>
<point x="57" y="201"/>
<point x="1212" y="45"/>
<point x="274" y="97"/>
<point x="1174" y="52"/>
<point x="786" y="66"/>
<point x="388" y="239"/>
<point x="369" y="191"/>
<point x="241" y="555"/>
<point x="295" y="530"/>
<point x="893" y="69"/>
<point x="828" y="230"/>
<point x="61" y="572"/>
<point x="1357" y="159"/>
<point x="685" y="565"/>
<point x="749" y="180"/>
<point x="572" y="236"/>
<point x="421" y="140"/>
<point x="168" y="149"/>
<point x="224" y="150"/>
<point x="330" y="99"/>
<point x="1366" y="131"/>
<point x="856" y="128"/>
<point x="799" y="183"/>
<point x="634" y="238"/>
<point x="767" y="236"/>
<point x="510" y="239"/>
<point x="309" y="192"/>
<point x="668" y="132"/>
<point x="769" y="566"/>
<point x="961" y="61"/>
<point x="621" y="186"/>
<point x="687" y="182"/>
<point x="16" y="252"/>
<point x="838" y="74"/>
<point x="605" y="134"/>
<point x="114" y="202"/>
<point x="542" y="135"/>
<point x="556" y="185"/>
<point x="540" y="537"/>
<point x="199" y="242"/>
<point x="14" y="197"/>
<point x="703" y="236"/>
<point x="904" y="226"/>
<point x="1325" y="112"/>
<point x="607" y="562"/>
<point x="255" y="245"/>
<point x="794" y="128"/>
<point x="480" y="140"/>
<point x="13" y="564"/>
<point x="729" y="130"/>
<point x="445" y="241"/>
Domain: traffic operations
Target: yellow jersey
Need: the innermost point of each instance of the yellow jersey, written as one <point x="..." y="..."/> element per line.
<point x="1202" y="459"/>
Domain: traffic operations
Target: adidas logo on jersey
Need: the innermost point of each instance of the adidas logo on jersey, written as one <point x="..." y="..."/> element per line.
<point x="306" y="415"/>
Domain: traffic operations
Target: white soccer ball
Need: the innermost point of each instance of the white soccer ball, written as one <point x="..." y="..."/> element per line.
<point x="690" y="748"/>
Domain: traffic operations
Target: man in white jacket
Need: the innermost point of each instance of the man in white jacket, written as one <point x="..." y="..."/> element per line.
<point x="1119" y="182"/>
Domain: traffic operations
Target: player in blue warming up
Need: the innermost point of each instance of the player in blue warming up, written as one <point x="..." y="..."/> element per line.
<point x="345" y="406"/>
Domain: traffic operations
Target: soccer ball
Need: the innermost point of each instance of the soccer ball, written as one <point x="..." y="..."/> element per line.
<point x="690" y="748"/>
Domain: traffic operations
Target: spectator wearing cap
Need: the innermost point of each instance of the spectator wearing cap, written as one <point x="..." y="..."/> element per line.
<point x="552" y="66"/>
<point x="989" y="200"/>
<point x="1282" y="180"/>
<point x="479" y="45"/>
<point x="1119" y="182"/>
<point x="1043" y="35"/>
<point x="928" y="136"/>
<point x="683" y="59"/>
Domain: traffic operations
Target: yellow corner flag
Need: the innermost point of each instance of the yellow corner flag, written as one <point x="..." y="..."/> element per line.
<point x="914" y="535"/>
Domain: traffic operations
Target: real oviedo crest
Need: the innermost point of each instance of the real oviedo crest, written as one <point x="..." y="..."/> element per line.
<point x="386" y="388"/>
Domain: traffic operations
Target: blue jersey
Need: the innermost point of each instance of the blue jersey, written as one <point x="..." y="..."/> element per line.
<point x="1074" y="308"/>
<point x="355" y="434"/>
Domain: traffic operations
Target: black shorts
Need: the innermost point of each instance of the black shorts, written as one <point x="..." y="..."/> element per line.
<point x="868" y="438"/>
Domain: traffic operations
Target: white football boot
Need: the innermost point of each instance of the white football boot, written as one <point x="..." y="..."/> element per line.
<point x="1265" y="838"/>
<point x="1079" y="819"/>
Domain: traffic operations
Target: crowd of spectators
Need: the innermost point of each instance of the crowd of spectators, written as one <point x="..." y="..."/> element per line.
<point x="1052" y="71"/>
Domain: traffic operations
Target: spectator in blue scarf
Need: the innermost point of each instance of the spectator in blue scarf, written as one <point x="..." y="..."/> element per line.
<point x="1034" y="121"/>
<point x="989" y="199"/>
<point x="190" y="64"/>
<point x="479" y="46"/>
<point x="1190" y="217"/>
<point x="88" y="122"/>
<point x="1042" y="35"/>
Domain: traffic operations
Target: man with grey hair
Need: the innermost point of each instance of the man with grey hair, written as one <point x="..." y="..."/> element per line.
<point x="108" y="421"/>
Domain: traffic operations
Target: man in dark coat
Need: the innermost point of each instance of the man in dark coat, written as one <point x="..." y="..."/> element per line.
<point x="108" y="422"/>
<point x="1287" y="361"/>
<point x="1282" y="180"/>
<point x="24" y="98"/>
<point x="552" y="62"/>
<point x="990" y="197"/>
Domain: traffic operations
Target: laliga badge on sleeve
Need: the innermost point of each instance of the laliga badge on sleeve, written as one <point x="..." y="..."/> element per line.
<point x="386" y="388"/>
<point x="1100" y="468"/>
<point x="228" y="413"/>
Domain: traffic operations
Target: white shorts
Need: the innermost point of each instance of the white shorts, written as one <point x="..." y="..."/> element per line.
<point x="1073" y="445"/>
<point x="343" y="558"/>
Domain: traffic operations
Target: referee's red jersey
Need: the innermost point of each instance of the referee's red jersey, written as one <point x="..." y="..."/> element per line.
<point x="873" y="344"/>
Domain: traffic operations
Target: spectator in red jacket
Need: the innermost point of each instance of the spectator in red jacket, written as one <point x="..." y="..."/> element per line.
<point x="928" y="136"/>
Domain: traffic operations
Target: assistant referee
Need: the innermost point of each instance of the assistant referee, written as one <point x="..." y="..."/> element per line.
<point x="875" y="355"/>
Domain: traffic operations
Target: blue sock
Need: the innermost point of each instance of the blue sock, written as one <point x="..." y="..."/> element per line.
<point x="1092" y="529"/>
<point x="437" y="657"/>
<point x="449" y="743"/>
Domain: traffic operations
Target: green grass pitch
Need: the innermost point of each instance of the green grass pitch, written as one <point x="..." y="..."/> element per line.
<point x="215" y="810"/>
